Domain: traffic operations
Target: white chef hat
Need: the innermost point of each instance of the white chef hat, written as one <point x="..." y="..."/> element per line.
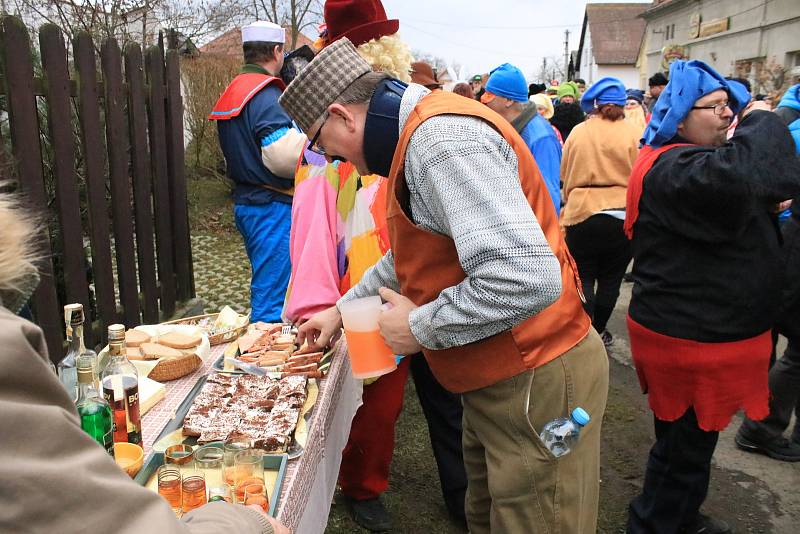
<point x="263" y="31"/>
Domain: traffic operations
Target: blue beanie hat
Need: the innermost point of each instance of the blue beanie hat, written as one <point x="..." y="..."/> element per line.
<point x="688" y="81"/>
<point x="509" y="82"/>
<point x="606" y="90"/>
<point x="636" y="94"/>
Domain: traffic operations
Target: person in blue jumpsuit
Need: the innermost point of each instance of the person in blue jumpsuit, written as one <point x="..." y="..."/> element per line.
<point x="261" y="148"/>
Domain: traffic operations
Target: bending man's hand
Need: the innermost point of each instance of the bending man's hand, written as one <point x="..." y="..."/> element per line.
<point x="394" y="325"/>
<point x="321" y="330"/>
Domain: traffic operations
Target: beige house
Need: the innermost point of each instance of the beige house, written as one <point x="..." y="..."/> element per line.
<point x="751" y="39"/>
<point x="610" y="40"/>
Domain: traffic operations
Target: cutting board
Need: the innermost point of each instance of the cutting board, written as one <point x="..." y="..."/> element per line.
<point x="150" y="393"/>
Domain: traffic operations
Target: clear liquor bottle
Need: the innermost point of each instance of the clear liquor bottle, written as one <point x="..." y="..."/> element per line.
<point x="93" y="409"/>
<point x="68" y="367"/>
<point x="121" y="388"/>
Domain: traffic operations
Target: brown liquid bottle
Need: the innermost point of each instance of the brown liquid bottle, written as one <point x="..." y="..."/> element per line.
<point x="121" y="389"/>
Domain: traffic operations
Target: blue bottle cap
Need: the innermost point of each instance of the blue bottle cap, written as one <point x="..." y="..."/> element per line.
<point x="580" y="416"/>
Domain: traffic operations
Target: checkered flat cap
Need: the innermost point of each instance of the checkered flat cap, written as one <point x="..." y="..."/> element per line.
<point x="322" y="81"/>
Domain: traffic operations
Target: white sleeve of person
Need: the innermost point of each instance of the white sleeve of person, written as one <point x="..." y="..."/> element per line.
<point x="280" y="151"/>
<point x="463" y="180"/>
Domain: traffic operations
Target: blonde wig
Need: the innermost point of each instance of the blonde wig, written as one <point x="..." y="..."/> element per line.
<point x="388" y="54"/>
<point x="17" y="241"/>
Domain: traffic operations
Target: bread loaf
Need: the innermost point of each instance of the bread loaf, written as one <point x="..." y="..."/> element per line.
<point x="134" y="338"/>
<point x="177" y="340"/>
<point x="154" y="351"/>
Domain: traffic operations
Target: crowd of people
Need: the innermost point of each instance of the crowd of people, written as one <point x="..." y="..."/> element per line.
<point x="498" y="219"/>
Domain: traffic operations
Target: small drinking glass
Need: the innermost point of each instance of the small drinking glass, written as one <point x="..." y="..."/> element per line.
<point x="220" y="493"/>
<point x="230" y="449"/>
<point x="248" y="469"/>
<point x="256" y="494"/>
<point x="209" y="460"/>
<point x="169" y="485"/>
<point x="193" y="488"/>
<point x="180" y="454"/>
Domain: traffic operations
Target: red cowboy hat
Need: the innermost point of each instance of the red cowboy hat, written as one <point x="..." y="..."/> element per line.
<point x="358" y="20"/>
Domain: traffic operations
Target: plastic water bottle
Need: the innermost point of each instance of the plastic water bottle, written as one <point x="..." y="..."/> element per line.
<point x="561" y="434"/>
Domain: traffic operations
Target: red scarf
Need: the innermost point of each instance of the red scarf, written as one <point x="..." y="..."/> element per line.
<point x="644" y="162"/>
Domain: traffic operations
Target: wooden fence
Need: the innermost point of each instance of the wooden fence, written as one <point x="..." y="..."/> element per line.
<point x="130" y="184"/>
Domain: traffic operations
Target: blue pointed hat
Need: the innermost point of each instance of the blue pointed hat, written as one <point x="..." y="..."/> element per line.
<point x="688" y="81"/>
<point x="606" y="90"/>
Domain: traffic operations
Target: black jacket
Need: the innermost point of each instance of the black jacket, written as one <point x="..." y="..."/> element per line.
<point x="706" y="246"/>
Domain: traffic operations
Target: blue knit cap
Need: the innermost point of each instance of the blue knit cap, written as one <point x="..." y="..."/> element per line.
<point x="509" y="82"/>
<point x="606" y="90"/>
<point x="636" y="94"/>
<point x="688" y="81"/>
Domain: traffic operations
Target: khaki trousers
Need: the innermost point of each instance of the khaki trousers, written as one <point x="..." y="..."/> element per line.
<point x="515" y="485"/>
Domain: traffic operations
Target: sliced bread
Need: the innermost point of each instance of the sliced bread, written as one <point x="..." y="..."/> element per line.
<point x="134" y="353"/>
<point x="154" y="351"/>
<point x="134" y="338"/>
<point x="177" y="340"/>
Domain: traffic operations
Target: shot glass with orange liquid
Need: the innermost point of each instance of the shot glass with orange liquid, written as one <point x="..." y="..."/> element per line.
<point x="370" y="356"/>
<point x="231" y="448"/>
<point x="169" y="486"/>
<point x="256" y="494"/>
<point x="248" y="471"/>
<point x="193" y="488"/>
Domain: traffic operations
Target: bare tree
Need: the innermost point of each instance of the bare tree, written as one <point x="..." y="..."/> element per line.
<point x="552" y="68"/>
<point x="131" y="20"/>
<point x="295" y="15"/>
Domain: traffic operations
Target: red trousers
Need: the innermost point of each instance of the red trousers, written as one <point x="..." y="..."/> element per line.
<point x="364" y="473"/>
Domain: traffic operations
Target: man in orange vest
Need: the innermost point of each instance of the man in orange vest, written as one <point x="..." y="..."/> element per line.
<point x="480" y="281"/>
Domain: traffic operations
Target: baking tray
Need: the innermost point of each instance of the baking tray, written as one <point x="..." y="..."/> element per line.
<point x="295" y="450"/>
<point x="275" y="464"/>
<point x="219" y="364"/>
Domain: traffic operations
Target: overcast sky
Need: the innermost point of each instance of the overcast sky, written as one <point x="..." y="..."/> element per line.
<point x="482" y="34"/>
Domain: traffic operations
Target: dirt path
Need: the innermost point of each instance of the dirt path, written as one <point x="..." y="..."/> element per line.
<point x="751" y="492"/>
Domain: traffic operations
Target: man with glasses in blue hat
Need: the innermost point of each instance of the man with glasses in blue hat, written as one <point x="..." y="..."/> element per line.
<point x="706" y="281"/>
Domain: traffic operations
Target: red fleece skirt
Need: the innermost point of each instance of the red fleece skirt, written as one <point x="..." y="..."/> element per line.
<point x="716" y="379"/>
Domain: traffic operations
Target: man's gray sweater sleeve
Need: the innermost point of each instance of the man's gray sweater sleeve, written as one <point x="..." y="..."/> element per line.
<point x="464" y="183"/>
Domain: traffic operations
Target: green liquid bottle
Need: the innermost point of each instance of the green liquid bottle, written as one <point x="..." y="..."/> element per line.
<point x="93" y="409"/>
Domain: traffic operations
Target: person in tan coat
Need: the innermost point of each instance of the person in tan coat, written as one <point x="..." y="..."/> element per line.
<point x="55" y="477"/>
<point x="597" y="159"/>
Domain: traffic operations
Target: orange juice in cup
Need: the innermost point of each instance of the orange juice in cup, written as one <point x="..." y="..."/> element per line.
<point x="369" y="355"/>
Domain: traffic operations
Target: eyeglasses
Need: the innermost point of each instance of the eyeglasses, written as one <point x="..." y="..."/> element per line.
<point x="313" y="146"/>
<point x="719" y="109"/>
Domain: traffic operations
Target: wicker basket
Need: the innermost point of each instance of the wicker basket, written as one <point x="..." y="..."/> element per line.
<point x="219" y="337"/>
<point x="173" y="368"/>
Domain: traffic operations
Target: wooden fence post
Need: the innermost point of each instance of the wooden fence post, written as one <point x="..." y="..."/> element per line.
<point x="177" y="179"/>
<point x="24" y="124"/>
<point x="59" y="119"/>
<point x="117" y="142"/>
<point x="154" y="65"/>
<point x="140" y="161"/>
<point x="89" y="114"/>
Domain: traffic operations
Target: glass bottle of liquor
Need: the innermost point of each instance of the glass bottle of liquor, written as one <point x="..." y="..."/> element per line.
<point x="121" y="388"/>
<point x="68" y="367"/>
<point x="93" y="410"/>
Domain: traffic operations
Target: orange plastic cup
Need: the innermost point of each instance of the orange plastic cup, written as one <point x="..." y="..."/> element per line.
<point x="370" y="356"/>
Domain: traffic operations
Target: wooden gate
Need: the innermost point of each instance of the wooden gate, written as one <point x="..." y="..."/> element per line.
<point x="129" y="183"/>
